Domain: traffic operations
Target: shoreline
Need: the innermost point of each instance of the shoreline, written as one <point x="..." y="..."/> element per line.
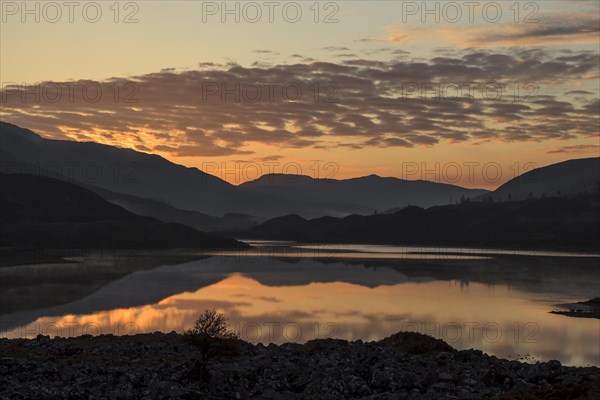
<point x="581" y="309"/>
<point x="406" y="365"/>
<point x="13" y="256"/>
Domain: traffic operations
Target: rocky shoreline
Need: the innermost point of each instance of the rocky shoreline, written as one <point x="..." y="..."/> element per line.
<point x="581" y="309"/>
<point x="161" y="366"/>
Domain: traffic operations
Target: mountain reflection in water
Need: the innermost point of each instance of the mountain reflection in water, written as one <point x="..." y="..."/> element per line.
<point x="498" y="304"/>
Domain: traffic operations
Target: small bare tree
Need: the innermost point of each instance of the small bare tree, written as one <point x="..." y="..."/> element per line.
<point x="211" y="324"/>
<point x="211" y="336"/>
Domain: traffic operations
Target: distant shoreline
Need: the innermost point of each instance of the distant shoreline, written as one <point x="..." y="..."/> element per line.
<point x="580" y="309"/>
<point x="14" y="256"/>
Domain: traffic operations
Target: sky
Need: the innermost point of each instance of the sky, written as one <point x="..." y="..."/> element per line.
<point x="469" y="93"/>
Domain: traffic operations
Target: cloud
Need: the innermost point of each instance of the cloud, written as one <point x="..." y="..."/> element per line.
<point x="580" y="148"/>
<point x="551" y="30"/>
<point x="270" y="158"/>
<point x="371" y="40"/>
<point x="335" y="48"/>
<point x="579" y="92"/>
<point x="222" y="110"/>
<point x="264" y="52"/>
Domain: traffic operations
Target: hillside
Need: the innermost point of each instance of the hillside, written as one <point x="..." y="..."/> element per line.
<point x="167" y="213"/>
<point x="536" y="223"/>
<point x="561" y="179"/>
<point x="51" y="213"/>
<point x="360" y="195"/>
<point x="138" y="205"/>
<point x="121" y="170"/>
<point x="147" y="176"/>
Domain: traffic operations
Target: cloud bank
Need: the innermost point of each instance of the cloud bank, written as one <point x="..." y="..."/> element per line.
<point x="222" y="110"/>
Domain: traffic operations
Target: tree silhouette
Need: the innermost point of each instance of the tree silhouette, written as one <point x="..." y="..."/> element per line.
<point x="211" y="336"/>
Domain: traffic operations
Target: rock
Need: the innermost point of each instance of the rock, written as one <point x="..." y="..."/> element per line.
<point x="553" y="364"/>
<point x="380" y="380"/>
<point x="157" y="366"/>
<point x="442" y="387"/>
<point x="470" y="382"/>
<point x="42" y="338"/>
<point x="445" y="377"/>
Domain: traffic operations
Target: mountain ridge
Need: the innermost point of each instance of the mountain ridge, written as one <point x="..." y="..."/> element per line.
<point x="149" y="176"/>
<point x="547" y="223"/>
<point x="53" y="213"/>
<point x="566" y="177"/>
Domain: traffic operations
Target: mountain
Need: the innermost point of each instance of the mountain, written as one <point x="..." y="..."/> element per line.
<point x="150" y="177"/>
<point x="564" y="178"/>
<point x="125" y="171"/>
<point x="311" y="197"/>
<point x="140" y="206"/>
<point x="553" y="222"/>
<point x="52" y="213"/>
<point x="287" y="223"/>
<point x="167" y="213"/>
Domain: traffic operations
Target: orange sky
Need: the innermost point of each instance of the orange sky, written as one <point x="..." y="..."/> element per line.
<point x="379" y="88"/>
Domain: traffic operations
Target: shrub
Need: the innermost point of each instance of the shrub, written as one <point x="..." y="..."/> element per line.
<point x="211" y="337"/>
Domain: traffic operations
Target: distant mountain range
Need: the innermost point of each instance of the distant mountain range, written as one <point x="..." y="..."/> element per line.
<point x="364" y="195"/>
<point x="142" y="177"/>
<point x="104" y="196"/>
<point x="553" y="206"/>
<point x="547" y="223"/>
<point x="41" y="212"/>
<point x="167" y="213"/>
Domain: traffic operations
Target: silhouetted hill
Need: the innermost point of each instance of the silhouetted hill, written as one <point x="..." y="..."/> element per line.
<point x="361" y="195"/>
<point x="148" y="176"/>
<point x="122" y="170"/>
<point x="539" y="223"/>
<point x="32" y="198"/>
<point x="290" y="222"/>
<point x="141" y="206"/>
<point x="167" y="213"/>
<point x="46" y="212"/>
<point x="560" y="179"/>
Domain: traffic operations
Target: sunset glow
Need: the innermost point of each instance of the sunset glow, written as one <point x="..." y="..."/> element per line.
<point x="405" y="88"/>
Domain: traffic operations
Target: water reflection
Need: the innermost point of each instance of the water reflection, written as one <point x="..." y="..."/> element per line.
<point x="499" y="305"/>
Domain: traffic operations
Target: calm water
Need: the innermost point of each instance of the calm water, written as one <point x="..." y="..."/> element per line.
<point x="495" y="301"/>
